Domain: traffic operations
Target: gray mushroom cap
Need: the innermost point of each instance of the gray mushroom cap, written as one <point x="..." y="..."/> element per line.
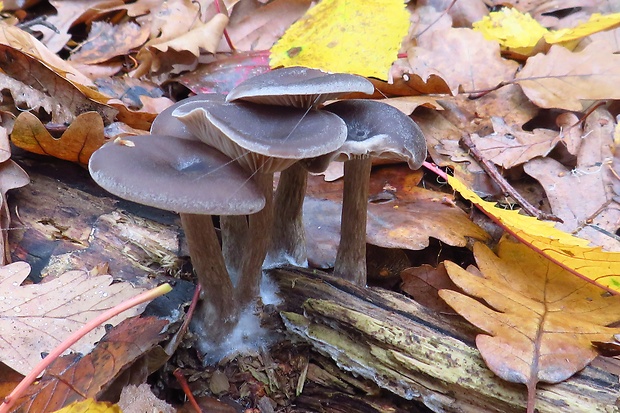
<point x="263" y="137"/>
<point x="175" y="174"/>
<point x="166" y="124"/>
<point x="298" y="87"/>
<point x="378" y="130"/>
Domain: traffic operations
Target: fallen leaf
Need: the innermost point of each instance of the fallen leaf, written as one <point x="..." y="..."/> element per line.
<point x="18" y="39"/>
<point x="455" y="56"/>
<point x="407" y="104"/>
<point x="595" y="24"/>
<point x="68" y="13"/>
<point x="591" y="176"/>
<point x="400" y="215"/>
<point x="83" y="137"/>
<point x="509" y="145"/>
<point x="255" y="26"/>
<point x="90" y="406"/>
<point x="12" y="176"/>
<point x="143" y="117"/>
<point x="571" y="253"/>
<point x="178" y="35"/>
<point x="36" y="318"/>
<point x="75" y="377"/>
<point x="106" y="41"/>
<point x="423" y="284"/>
<point x="222" y="75"/>
<point x="204" y="36"/>
<point x="539" y="320"/>
<point x="515" y="31"/>
<point x="561" y="78"/>
<point x="62" y="99"/>
<point x="345" y="36"/>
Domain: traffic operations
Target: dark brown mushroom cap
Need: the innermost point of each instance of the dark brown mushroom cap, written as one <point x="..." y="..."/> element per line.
<point x="378" y="130"/>
<point x="174" y="174"/>
<point x="263" y="137"/>
<point x="166" y="124"/>
<point x="298" y="87"/>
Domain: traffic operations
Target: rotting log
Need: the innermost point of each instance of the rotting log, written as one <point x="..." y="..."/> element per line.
<point x="418" y="354"/>
<point x="63" y="221"/>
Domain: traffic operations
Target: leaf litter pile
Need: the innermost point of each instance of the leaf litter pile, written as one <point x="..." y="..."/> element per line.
<point x="507" y="242"/>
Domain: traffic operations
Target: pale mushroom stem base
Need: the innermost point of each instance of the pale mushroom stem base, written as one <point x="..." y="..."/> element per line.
<point x="288" y="240"/>
<point x="351" y="257"/>
<point x="234" y="240"/>
<point x="217" y="313"/>
<point x="259" y="238"/>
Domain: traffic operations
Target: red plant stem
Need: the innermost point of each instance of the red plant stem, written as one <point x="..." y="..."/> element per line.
<point x="149" y="295"/>
<point x="226" y="36"/>
<point x="177" y="373"/>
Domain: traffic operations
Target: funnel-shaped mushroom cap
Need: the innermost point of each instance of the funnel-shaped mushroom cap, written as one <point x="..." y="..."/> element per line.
<point x="264" y="138"/>
<point x="174" y="174"/>
<point x="166" y="124"/>
<point x="378" y="130"/>
<point x="298" y="87"/>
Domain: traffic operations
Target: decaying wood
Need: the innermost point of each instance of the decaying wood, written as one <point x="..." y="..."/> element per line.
<point x="63" y="221"/>
<point x="418" y="354"/>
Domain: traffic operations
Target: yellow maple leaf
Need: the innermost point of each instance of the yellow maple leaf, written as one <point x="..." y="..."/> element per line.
<point x="571" y="253"/>
<point x="345" y="36"/>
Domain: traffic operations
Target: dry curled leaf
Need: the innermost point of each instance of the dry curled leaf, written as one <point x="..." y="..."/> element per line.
<point x="83" y="137"/>
<point x="539" y="320"/>
<point x="59" y="97"/>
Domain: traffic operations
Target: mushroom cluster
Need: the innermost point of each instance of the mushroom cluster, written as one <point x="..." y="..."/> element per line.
<point x="207" y="156"/>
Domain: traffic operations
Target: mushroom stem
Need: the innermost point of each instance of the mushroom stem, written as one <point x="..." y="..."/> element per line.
<point x="259" y="235"/>
<point x="234" y="235"/>
<point x="217" y="313"/>
<point x="288" y="240"/>
<point x="351" y="257"/>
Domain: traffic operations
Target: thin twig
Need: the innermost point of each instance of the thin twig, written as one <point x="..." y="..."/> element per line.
<point x="188" y="392"/>
<point x="497" y="177"/>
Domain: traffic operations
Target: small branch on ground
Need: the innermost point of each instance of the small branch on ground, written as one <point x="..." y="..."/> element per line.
<point x="497" y="177"/>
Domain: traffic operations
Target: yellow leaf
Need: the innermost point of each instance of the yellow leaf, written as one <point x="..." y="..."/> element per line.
<point x="539" y="319"/>
<point x="571" y="253"/>
<point x="520" y="33"/>
<point x="345" y="36"/>
<point x="515" y="31"/>
<point x="597" y="23"/>
<point x="90" y="406"/>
